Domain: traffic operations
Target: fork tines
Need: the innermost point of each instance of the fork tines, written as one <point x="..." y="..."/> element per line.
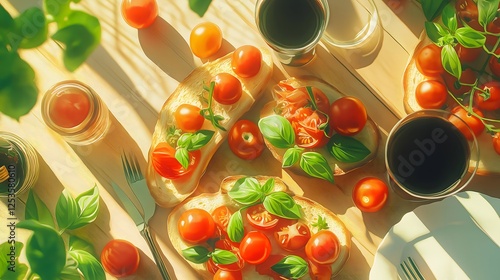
<point x="132" y="168"/>
<point x="411" y="270"/>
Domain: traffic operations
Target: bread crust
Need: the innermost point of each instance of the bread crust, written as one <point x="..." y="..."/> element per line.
<point x="166" y="192"/>
<point x="209" y="202"/>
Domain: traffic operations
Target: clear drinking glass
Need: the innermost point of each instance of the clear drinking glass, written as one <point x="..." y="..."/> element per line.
<point x="428" y="157"/>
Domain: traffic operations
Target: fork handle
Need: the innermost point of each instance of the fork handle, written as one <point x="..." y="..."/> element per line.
<point x="152" y="246"/>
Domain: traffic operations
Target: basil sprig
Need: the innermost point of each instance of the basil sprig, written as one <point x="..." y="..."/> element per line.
<point x="208" y="113"/>
<point x="292" y="267"/>
<point x="200" y="254"/>
<point x="188" y="142"/>
<point x="347" y="149"/>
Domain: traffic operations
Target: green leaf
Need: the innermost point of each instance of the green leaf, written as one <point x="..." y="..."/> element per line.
<point x="70" y="270"/>
<point x="66" y="210"/>
<point x="235" y="229"/>
<point x="76" y="243"/>
<point x="57" y="9"/>
<point x="90" y="267"/>
<point x="283" y="205"/>
<point x="246" y="191"/>
<point x="81" y="34"/>
<point x="487" y="10"/>
<point x="268" y="186"/>
<point x="195" y="141"/>
<point x="291" y="267"/>
<point x="347" y="149"/>
<point x="432" y="8"/>
<point x="449" y="17"/>
<point x="196" y="254"/>
<point x="435" y="32"/>
<point x="6" y="20"/>
<point x="182" y="156"/>
<point x="9" y="270"/>
<point x="88" y="207"/>
<point x="321" y="223"/>
<point x="451" y="62"/>
<point x="316" y="165"/>
<point x="32" y="26"/>
<point x="45" y="249"/>
<point x="200" y="7"/>
<point x="37" y="210"/>
<point x="470" y="38"/>
<point x="291" y="156"/>
<point x="278" y="131"/>
<point x="223" y="257"/>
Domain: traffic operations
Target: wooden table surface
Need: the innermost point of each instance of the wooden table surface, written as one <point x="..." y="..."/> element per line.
<point x="135" y="71"/>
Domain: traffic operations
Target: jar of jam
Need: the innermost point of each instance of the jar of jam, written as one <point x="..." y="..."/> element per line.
<point x="18" y="165"/>
<point x="73" y="110"/>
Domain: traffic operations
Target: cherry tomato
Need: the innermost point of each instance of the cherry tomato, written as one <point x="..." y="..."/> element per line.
<point x="188" y="118"/>
<point x="228" y="275"/>
<point x="245" y="140"/>
<point x="320" y="271"/>
<point x="489" y="97"/>
<point x="494" y="64"/>
<point x="246" y="61"/>
<point x="293" y="237"/>
<point x="307" y="125"/>
<point x="431" y="94"/>
<point x="348" y="115"/>
<point x="370" y="194"/>
<point x="428" y="61"/>
<point x="227" y="89"/>
<point x="120" y="258"/>
<point x="225" y="244"/>
<point x="459" y="88"/>
<point x="69" y="109"/>
<point x="466" y="10"/>
<point x="323" y="247"/>
<point x="260" y="218"/>
<point x="493" y="27"/>
<point x="165" y="163"/>
<point x="467" y="55"/>
<point x="196" y="226"/>
<point x="205" y="39"/>
<point x="496" y="142"/>
<point x="221" y="216"/>
<point x="474" y="123"/>
<point x="255" y="247"/>
<point x="292" y="99"/>
<point x="139" y="13"/>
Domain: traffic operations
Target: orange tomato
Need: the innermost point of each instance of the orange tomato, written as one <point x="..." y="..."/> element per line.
<point x="205" y="39"/>
<point x="188" y="118"/>
<point x="227" y="89"/>
<point x="139" y="13"/>
<point x="196" y="226"/>
<point x="370" y="194"/>
<point x="246" y="61"/>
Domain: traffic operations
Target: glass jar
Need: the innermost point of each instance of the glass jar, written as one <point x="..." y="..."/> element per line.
<point x="73" y="110"/>
<point x="19" y="165"/>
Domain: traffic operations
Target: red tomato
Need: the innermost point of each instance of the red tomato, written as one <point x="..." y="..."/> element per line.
<point x="221" y="216"/>
<point x="165" y="163"/>
<point x="467" y="55"/>
<point x="370" y="194"/>
<point x="492" y="101"/>
<point x="69" y="109"/>
<point x="260" y="218"/>
<point x="245" y="140"/>
<point x="293" y="237"/>
<point x="227" y="89"/>
<point x="188" y="118"/>
<point x="255" y="247"/>
<point x="246" y="61"/>
<point x="474" y="123"/>
<point x="139" y="13"/>
<point x="307" y="125"/>
<point x="120" y="258"/>
<point x="323" y="247"/>
<point x="431" y="94"/>
<point x="459" y="88"/>
<point x="494" y="64"/>
<point x="196" y="226"/>
<point x="496" y="142"/>
<point x="348" y="115"/>
<point x="292" y="99"/>
<point x="466" y="10"/>
<point x="319" y="271"/>
<point x="224" y="244"/>
<point x="493" y="27"/>
<point x="228" y="275"/>
<point x="205" y="39"/>
<point x="428" y="61"/>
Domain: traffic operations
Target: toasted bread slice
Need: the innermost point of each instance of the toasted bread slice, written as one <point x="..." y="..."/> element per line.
<point x="166" y="192"/>
<point x="210" y="202"/>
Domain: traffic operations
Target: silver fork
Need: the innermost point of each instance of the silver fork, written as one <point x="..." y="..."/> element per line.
<point x="411" y="270"/>
<point x="137" y="183"/>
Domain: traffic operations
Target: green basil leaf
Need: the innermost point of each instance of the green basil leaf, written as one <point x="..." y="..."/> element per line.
<point x="449" y="18"/>
<point x="293" y="267"/>
<point x="6" y="20"/>
<point x="347" y="149"/>
<point x="45" y="249"/>
<point x="88" y="205"/>
<point x="469" y="37"/>
<point x="77" y="243"/>
<point x="223" y="257"/>
<point x="90" y="267"/>
<point x="32" y="26"/>
<point x="235" y="229"/>
<point x="283" y="205"/>
<point x="196" y="254"/>
<point x="432" y="8"/>
<point x="451" y="62"/>
<point x="316" y="165"/>
<point x="57" y="9"/>
<point x="435" y="32"/>
<point x="487" y="11"/>
<point x="200" y="7"/>
<point x="66" y="210"/>
<point x="70" y="270"/>
<point x="278" y="131"/>
<point x="246" y="191"/>
<point x="195" y="141"/>
<point x="291" y="157"/>
<point x="268" y="186"/>
<point x="182" y="156"/>
<point x="7" y="270"/>
<point x="37" y="210"/>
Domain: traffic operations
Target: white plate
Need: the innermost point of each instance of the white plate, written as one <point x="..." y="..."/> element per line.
<point x="456" y="238"/>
